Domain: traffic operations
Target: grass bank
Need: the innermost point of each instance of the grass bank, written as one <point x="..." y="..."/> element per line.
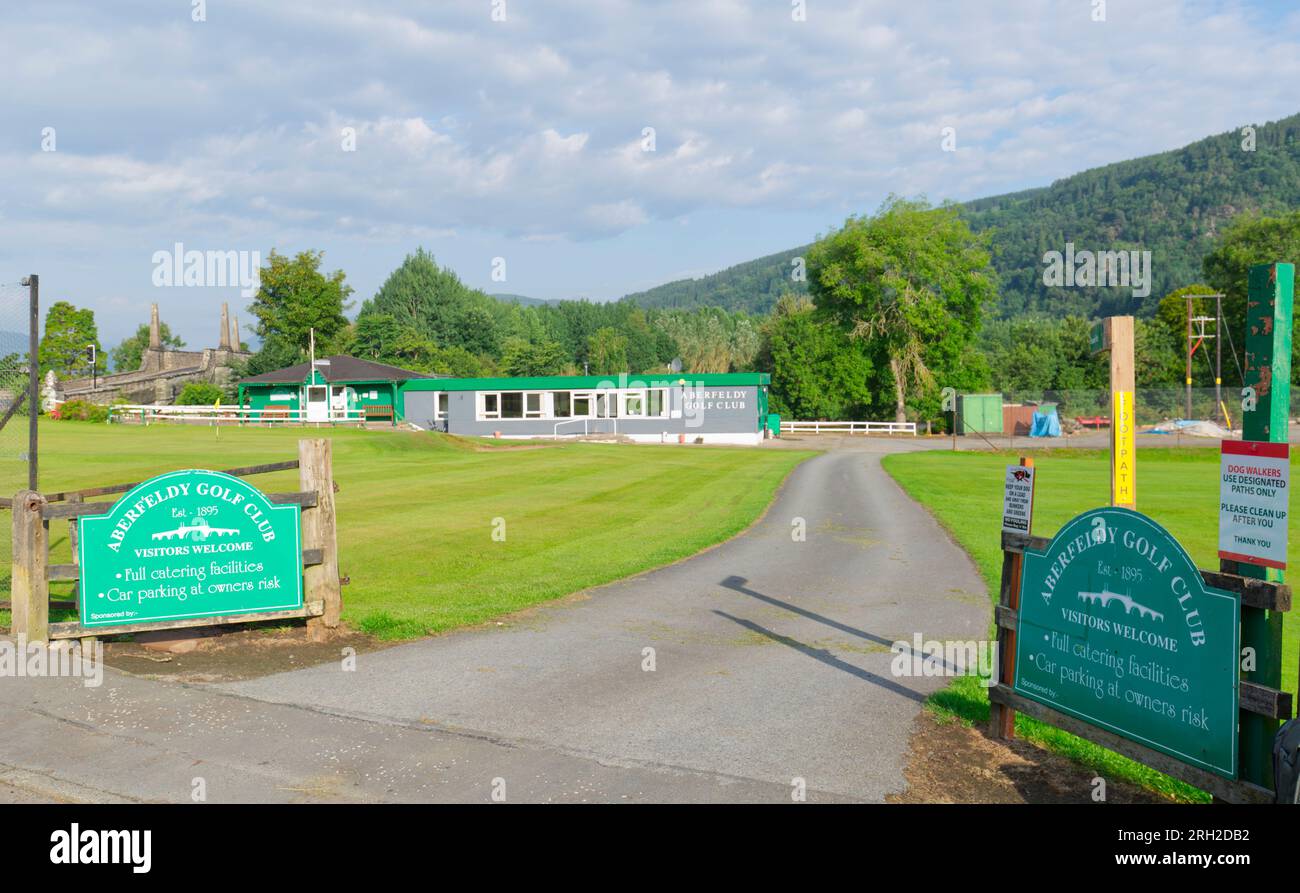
<point x="416" y="511"/>
<point x="1178" y="488"/>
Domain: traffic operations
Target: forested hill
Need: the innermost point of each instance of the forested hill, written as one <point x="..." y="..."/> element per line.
<point x="752" y="286"/>
<point x="1173" y="205"/>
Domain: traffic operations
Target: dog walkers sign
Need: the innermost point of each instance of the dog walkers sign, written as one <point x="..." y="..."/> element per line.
<point x="189" y="544"/>
<point x="1117" y="628"/>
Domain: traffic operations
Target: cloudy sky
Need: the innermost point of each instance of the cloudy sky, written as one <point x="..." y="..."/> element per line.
<point x="369" y="128"/>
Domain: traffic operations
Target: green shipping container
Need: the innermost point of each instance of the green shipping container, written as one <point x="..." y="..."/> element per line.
<point x="979" y="414"/>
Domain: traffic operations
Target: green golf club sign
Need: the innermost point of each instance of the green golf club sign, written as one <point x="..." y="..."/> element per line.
<point x="1117" y="628"/>
<point x="189" y="544"/>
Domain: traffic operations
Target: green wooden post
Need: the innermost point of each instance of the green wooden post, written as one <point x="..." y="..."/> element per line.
<point x="1268" y="370"/>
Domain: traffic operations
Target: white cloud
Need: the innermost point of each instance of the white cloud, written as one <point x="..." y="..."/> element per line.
<point x="230" y="130"/>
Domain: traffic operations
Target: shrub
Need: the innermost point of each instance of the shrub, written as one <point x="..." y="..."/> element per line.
<point x="81" y="411"/>
<point x="199" y="393"/>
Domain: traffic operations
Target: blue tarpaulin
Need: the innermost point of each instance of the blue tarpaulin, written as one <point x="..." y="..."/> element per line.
<point x="1045" y="424"/>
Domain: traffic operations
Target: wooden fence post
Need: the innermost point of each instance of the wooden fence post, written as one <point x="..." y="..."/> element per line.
<point x="1267" y="358"/>
<point x="1002" y="719"/>
<point x="87" y="642"/>
<point x="319" y="531"/>
<point x="30" y="599"/>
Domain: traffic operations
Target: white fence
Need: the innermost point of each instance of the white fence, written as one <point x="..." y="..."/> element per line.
<point x="849" y="427"/>
<point x="227" y="415"/>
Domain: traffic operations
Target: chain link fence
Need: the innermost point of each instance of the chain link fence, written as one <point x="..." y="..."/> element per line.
<point x="15" y="411"/>
<point x="1160" y="411"/>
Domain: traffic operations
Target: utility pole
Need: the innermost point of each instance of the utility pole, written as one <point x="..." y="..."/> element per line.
<point x="1187" y="413"/>
<point x="1218" y="357"/>
<point x="1195" y="338"/>
<point x="33" y="283"/>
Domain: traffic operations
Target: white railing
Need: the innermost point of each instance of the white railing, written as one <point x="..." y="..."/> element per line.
<point x="555" y="433"/>
<point x="586" y="426"/>
<point x="850" y="427"/>
<point x="267" y="415"/>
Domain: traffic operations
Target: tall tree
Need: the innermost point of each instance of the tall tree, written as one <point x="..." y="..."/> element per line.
<point x="1250" y="241"/>
<point x="295" y="298"/>
<point x="607" y="352"/>
<point x="69" y="331"/>
<point x="433" y="301"/>
<point x="127" y="355"/>
<point x="913" y="282"/>
<point x="522" y="357"/>
<point x="817" y="371"/>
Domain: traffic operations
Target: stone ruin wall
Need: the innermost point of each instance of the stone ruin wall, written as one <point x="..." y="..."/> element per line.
<point x="162" y="373"/>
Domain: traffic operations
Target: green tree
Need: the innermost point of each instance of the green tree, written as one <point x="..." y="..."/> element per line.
<point x="913" y="282"/>
<point x="199" y="393"/>
<point x="818" y="372"/>
<point x="373" y="336"/>
<point x="294" y="299"/>
<point x="460" y="363"/>
<point x="524" y="358"/>
<point x="433" y="301"/>
<point x="1249" y="241"/>
<point x="607" y="352"/>
<point x="128" y="354"/>
<point x="69" y="331"/>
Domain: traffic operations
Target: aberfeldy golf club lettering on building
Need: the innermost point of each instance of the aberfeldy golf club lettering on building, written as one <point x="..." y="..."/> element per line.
<point x="189" y="544"/>
<point x="1117" y="628"/>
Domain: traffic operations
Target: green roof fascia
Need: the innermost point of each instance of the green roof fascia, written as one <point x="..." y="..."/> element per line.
<point x="591" y="382"/>
<point x="303" y="381"/>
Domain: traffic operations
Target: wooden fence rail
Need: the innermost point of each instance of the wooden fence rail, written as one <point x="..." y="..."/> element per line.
<point x="32" y="571"/>
<point x="1253" y="698"/>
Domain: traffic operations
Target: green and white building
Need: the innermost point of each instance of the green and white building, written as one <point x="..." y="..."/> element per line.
<point x="661" y="407"/>
<point x="337" y="389"/>
<point x="669" y="407"/>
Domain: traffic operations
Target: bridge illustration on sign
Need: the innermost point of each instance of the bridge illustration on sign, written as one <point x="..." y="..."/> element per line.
<point x="1105" y="597"/>
<point x="198" y="530"/>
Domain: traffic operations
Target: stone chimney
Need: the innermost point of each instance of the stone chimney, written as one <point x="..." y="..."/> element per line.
<point x="224" y="343"/>
<point x="155" y="330"/>
<point x="234" y="332"/>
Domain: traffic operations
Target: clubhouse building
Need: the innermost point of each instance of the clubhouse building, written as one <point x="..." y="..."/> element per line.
<point x="656" y="408"/>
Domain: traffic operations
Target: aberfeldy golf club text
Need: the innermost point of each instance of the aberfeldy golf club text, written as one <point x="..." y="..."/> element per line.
<point x="1103" y="534"/>
<point x="172" y="491"/>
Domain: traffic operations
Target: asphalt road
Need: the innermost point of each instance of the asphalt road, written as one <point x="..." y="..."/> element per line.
<point x="771" y="669"/>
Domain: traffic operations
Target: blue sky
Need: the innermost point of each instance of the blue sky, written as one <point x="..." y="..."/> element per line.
<point x="523" y="139"/>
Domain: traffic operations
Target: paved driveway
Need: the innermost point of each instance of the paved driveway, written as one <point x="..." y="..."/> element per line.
<point x="770" y="655"/>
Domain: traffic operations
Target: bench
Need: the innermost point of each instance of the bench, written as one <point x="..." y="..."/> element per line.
<point x="377" y="412"/>
<point x="1093" y="421"/>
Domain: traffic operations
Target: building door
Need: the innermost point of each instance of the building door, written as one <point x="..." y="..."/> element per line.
<point x="318" y="403"/>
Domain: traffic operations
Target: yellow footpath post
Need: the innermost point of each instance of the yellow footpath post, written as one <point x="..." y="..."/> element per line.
<point x="1116" y="336"/>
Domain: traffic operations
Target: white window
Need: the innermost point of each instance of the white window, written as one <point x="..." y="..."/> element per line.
<point x="561" y="405"/>
<point x="512" y="405"/>
<point x="491" y="406"/>
<point x="533" y="405"/>
<point x="634" y="404"/>
<point x="440" y="406"/>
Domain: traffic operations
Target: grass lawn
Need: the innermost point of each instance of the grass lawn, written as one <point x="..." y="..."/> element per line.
<point x="416" y="510"/>
<point x="1179" y="488"/>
